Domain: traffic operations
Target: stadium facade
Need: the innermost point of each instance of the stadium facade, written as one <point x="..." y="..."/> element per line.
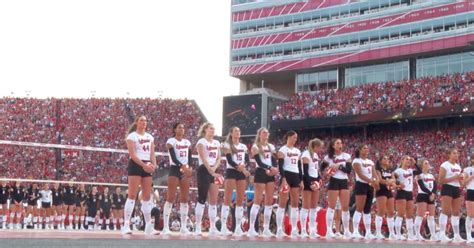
<point x="308" y="45"/>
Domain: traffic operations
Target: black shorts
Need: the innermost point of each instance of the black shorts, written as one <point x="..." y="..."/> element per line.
<point x="3" y="201"/>
<point x="234" y="174"/>
<point x="362" y="188"/>
<point x="470" y="195"/>
<point x="203" y="176"/>
<point x="57" y="203"/>
<point x="175" y="172"/>
<point x="404" y="195"/>
<point x="32" y="203"/>
<point x="452" y="191"/>
<point x="120" y="207"/>
<point x="307" y="185"/>
<point x="78" y="204"/>
<point x="292" y="179"/>
<point x="46" y="205"/>
<point x="383" y="191"/>
<point x="136" y="170"/>
<point x="91" y="212"/>
<point x="69" y="202"/>
<point x="337" y="184"/>
<point x="262" y="177"/>
<point x="424" y="198"/>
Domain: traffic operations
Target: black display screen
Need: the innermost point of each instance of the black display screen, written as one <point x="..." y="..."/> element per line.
<point x="243" y="111"/>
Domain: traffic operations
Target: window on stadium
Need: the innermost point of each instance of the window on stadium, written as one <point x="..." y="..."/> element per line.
<point x="316" y="81"/>
<point x="447" y="64"/>
<point x="377" y="73"/>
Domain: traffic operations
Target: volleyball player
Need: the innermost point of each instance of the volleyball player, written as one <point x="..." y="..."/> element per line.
<point x="235" y="178"/>
<point x="180" y="155"/>
<point x="56" y="208"/>
<point x="209" y="161"/>
<point x="364" y="190"/>
<point x="385" y="200"/>
<point x="118" y="201"/>
<point x="425" y="200"/>
<point x="339" y="165"/>
<point x="46" y="198"/>
<point x="105" y="203"/>
<point x="4" y="196"/>
<point x="32" y="196"/>
<point x="70" y="194"/>
<point x="450" y="177"/>
<point x="81" y="199"/>
<point x="92" y="204"/>
<point x="264" y="154"/>
<point x="289" y="165"/>
<point x="16" y="206"/>
<point x="142" y="164"/>
<point x="404" y="198"/>
<point x="469" y="184"/>
<point x="311" y="179"/>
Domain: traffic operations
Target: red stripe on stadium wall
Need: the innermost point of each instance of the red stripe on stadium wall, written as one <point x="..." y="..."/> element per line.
<point x="276" y="10"/>
<point x="358" y="56"/>
<point x="385" y="21"/>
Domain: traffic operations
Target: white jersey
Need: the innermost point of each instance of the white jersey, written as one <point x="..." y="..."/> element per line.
<point x="451" y="171"/>
<point x="339" y="160"/>
<point x="313" y="166"/>
<point x="428" y="181"/>
<point x="211" y="151"/>
<point x="405" y="177"/>
<point x="239" y="157"/>
<point x="142" y="144"/>
<point x="291" y="158"/>
<point x="181" y="150"/>
<point x="366" y="166"/>
<point x="268" y="150"/>
<point x="46" y="195"/>
<point x="469" y="171"/>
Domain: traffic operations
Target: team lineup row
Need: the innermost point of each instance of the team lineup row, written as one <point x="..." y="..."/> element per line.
<point x="300" y="174"/>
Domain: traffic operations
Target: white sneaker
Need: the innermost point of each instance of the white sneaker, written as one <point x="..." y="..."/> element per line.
<point x="225" y="231"/>
<point x="252" y="233"/>
<point x="304" y="234"/>
<point x="198" y="231"/>
<point x="412" y="238"/>
<point x="150" y="230"/>
<point x="356" y="235"/>
<point x="166" y="231"/>
<point x="238" y="232"/>
<point x="184" y="231"/>
<point x="419" y="237"/>
<point x="126" y="230"/>
<point x="213" y="232"/>
<point x="294" y="233"/>
<point x="330" y="234"/>
<point x="280" y="234"/>
<point x="379" y="236"/>
<point x="10" y="226"/>
<point x="401" y="237"/>
<point x="458" y="239"/>
<point x="18" y="226"/>
<point x="469" y="239"/>
<point x="25" y="227"/>
<point x="267" y="233"/>
<point x="107" y="228"/>
<point x="347" y="235"/>
<point x="313" y="235"/>
<point x="392" y="237"/>
<point x="369" y="236"/>
<point x="434" y="237"/>
<point x="443" y="238"/>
